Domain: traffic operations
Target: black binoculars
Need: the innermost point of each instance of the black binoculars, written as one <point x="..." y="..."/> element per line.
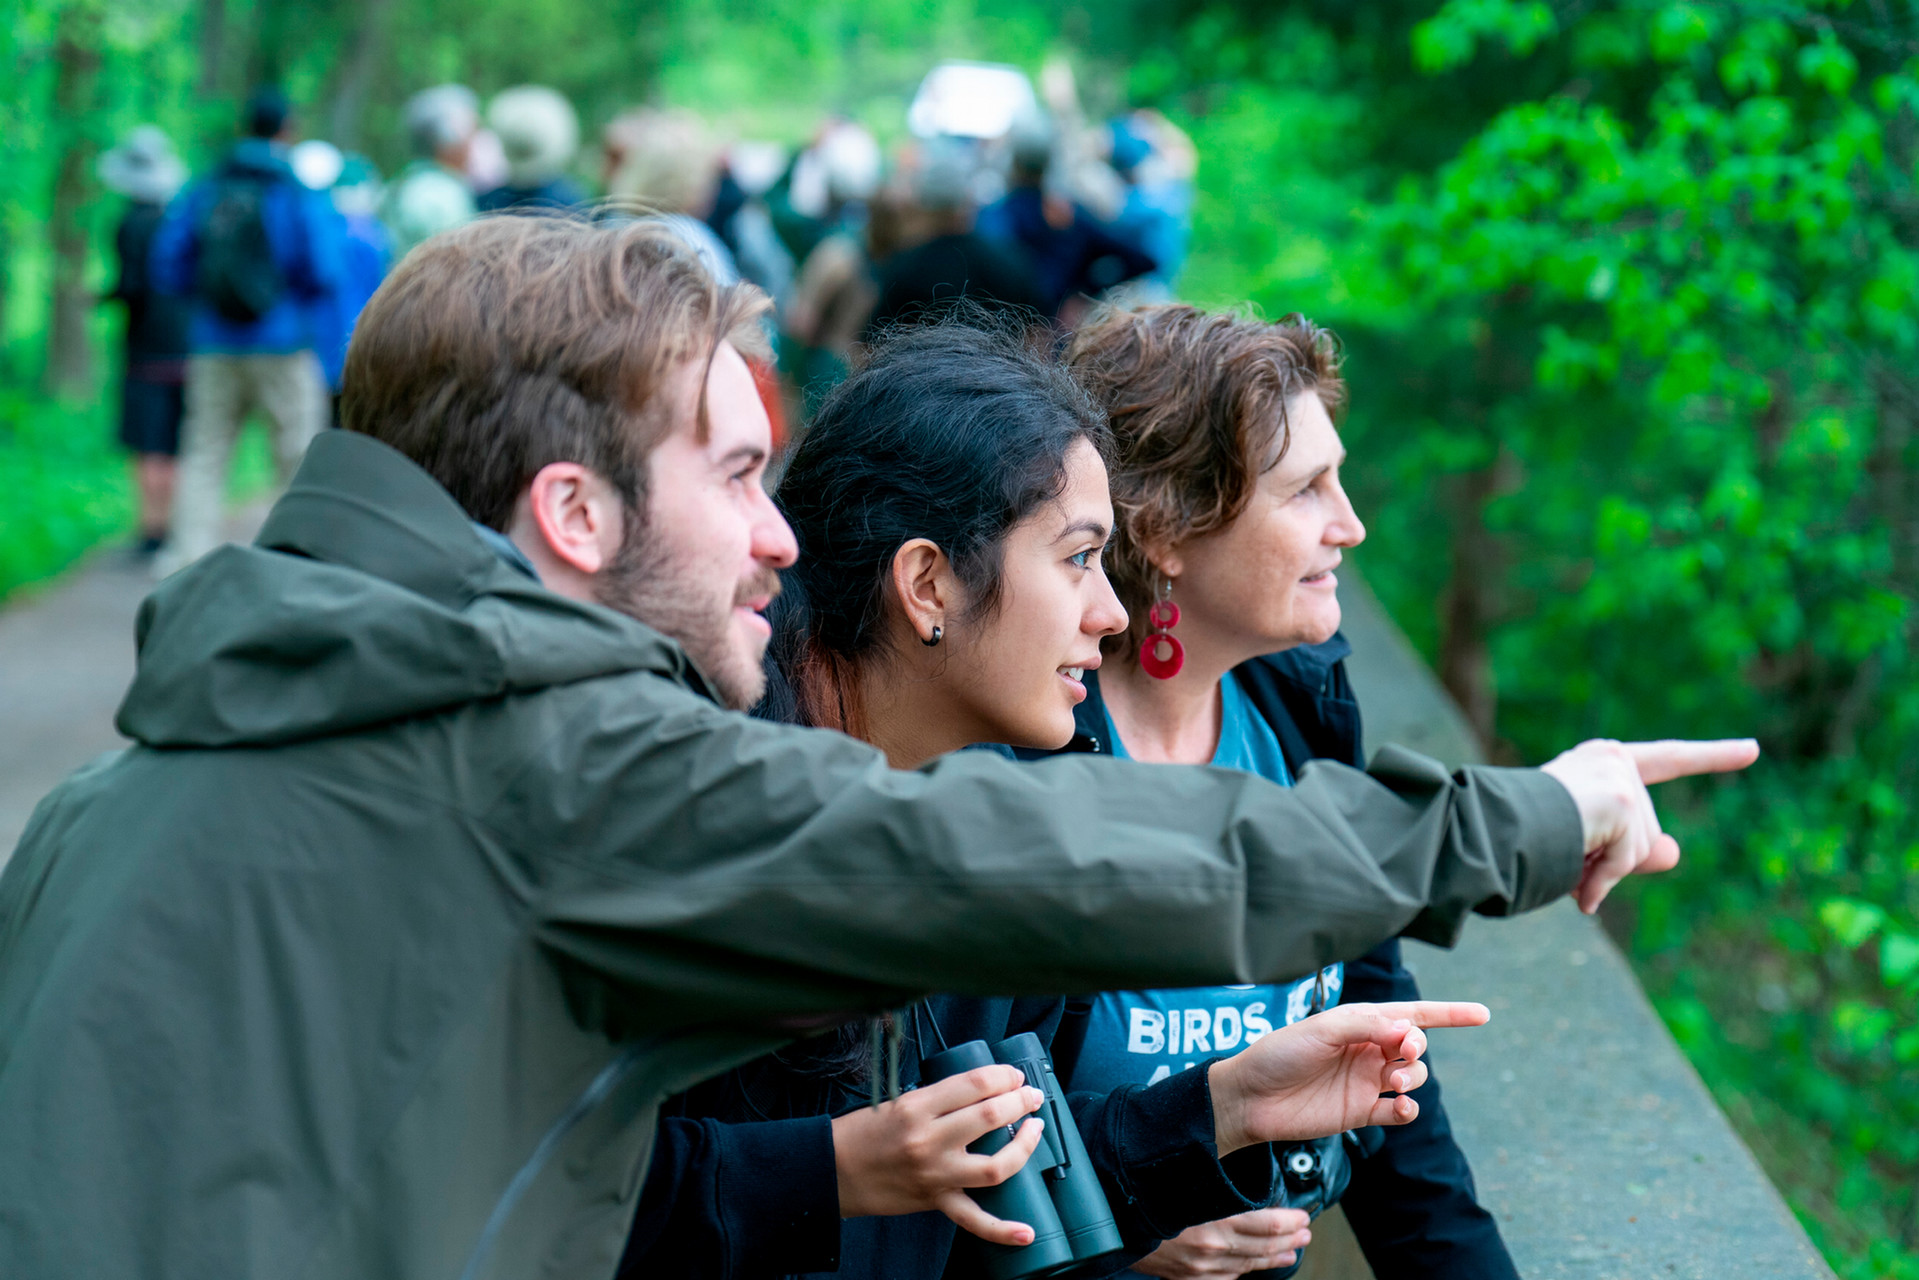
<point x="1057" y="1193"/>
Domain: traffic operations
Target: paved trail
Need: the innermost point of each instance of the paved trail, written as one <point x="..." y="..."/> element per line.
<point x="1592" y="1138"/>
<point x="65" y="658"/>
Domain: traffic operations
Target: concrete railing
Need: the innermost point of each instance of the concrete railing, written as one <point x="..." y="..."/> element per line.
<point x="1593" y="1140"/>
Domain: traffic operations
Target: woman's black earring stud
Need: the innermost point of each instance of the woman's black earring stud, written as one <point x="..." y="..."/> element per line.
<point x="938" y="633"/>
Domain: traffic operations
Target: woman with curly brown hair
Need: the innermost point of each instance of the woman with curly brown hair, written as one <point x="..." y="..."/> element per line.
<point x="1230" y="524"/>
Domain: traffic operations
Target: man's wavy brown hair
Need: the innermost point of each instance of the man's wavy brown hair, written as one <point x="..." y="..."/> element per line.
<point x="1197" y="402"/>
<point x="514" y="342"/>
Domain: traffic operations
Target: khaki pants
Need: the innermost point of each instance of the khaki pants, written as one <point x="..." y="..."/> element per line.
<point x="221" y="391"/>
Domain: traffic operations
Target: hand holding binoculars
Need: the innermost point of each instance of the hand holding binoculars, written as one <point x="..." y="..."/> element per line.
<point x="1057" y="1193"/>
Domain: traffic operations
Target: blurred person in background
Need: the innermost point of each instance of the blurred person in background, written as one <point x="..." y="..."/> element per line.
<point x="539" y="133"/>
<point x="352" y="184"/>
<point x="433" y="193"/>
<point x="145" y="170"/>
<point x="1075" y="258"/>
<point x="257" y="253"/>
<point x="1159" y="164"/>
<point x="837" y="287"/>
<point x="918" y="281"/>
<point x="486" y="165"/>
<point x="825" y="187"/>
<point x="669" y="164"/>
<point x="665" y="166"/>
<point x="739" y="217"/>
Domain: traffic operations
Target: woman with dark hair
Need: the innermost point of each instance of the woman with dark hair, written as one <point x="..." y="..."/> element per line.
<point x="1231" y="522"/>
<point x="951" y="505"/>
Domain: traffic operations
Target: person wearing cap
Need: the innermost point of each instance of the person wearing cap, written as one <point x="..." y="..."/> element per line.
<point x="255" y="252"/>
<point x="145" y="169"/>
<point x="540" y="134"/>
<point x="433" y="194"/>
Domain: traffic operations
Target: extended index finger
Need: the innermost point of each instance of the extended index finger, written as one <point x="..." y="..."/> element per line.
<point x="1680" y="758"/>
<point x="1438" y="1013"/>
<point x="1395" y="1027"/>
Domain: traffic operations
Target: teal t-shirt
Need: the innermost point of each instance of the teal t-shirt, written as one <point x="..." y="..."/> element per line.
<point x="1141" y="1037"/>
<point x="1246" y="741"/>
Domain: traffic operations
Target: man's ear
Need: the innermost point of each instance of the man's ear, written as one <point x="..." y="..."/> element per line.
<point x="923" y="580"/>
<point x="577" y="519"/>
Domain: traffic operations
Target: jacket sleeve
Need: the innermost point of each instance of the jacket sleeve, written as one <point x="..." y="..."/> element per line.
<point x="736" y="1202"/>
<point x="1153" y="1146"/>
<point x="317" y="264"/>
<point x="1411" y="1202"/>
<point x="735" y="869"/>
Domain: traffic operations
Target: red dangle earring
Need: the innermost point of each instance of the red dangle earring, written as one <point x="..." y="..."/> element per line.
<point x="1162" y="655"/>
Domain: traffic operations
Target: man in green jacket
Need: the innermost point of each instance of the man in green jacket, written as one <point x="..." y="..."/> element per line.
<point x="440" y="857"/>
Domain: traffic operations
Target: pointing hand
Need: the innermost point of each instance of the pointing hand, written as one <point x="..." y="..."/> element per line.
<point x="1608" y="782"/>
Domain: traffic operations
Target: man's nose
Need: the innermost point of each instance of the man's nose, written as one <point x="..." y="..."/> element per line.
<point x="773" y="540"/>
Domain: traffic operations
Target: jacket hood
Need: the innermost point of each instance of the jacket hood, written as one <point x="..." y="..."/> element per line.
<point x="257" y="158"/>
<point x="368" y="597"/>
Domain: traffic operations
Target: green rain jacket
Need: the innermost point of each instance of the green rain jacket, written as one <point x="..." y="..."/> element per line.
<point x="421" y="886"/>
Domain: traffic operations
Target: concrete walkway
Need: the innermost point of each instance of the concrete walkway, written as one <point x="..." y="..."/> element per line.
<point x="66" y="656"/>
<point x="1594" y="1141"/>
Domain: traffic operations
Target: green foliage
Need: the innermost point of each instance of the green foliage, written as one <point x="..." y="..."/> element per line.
<point x="65" y="484"/>
<point x="1667" y="310"/>
<point x="1778" y="956"/>
<point x="65" y="478"/>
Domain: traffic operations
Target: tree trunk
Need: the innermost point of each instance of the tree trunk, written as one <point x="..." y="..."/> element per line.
<point x="8" y="369"/>
<point x="1506" y="349"/>
<point x="76" y="56"/>
<point x="1468" y="607"/>
<point x="213" y="48"/>
<point x="271" y="34"/>
<point x="1896" y="402"/>
<point x="357" y="70"/>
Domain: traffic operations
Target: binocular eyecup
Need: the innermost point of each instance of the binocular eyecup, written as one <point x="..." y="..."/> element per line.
<point x="1057" y="1193"/>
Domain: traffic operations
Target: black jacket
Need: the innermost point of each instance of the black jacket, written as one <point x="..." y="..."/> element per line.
<point x="1411" y="1202"/>
<point x="917" y="283"/>
<point x="156" y="335"/>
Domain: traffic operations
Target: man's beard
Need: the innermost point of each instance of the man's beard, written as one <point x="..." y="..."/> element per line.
<point x="667" y="589"/>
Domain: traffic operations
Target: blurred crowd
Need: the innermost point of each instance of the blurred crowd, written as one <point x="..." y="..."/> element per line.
<point x="242" y="285"/>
